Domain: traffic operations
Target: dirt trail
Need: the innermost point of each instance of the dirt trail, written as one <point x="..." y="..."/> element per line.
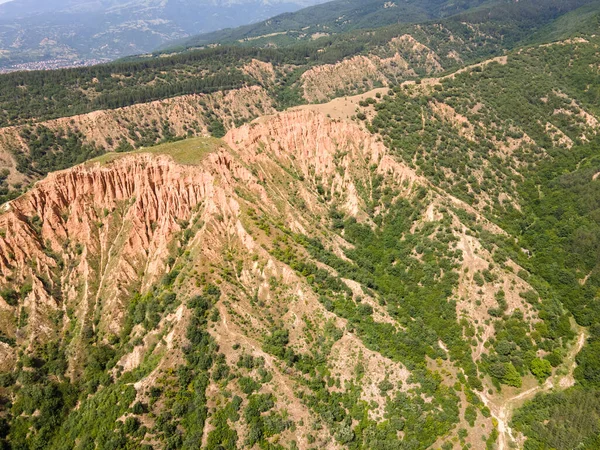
<point x="502" y="408"/>
<point x="343" y="108"/>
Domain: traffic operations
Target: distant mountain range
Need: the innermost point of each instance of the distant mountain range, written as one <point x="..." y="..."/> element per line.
<point x="330" y="18"/>
<point x="341" y="16"/>
<point x="73" y="31"/>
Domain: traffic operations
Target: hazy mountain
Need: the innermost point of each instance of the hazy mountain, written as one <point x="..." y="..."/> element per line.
<point x="341" y="16"/>
<point x="334" y="17"/>
<point x="107" y="29"/>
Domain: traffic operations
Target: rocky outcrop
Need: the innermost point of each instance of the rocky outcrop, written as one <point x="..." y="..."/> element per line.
<point x="335" y="157"/>
<point x="400" y="58"/>
<point x="84" y="242"/>
<point x="88" y="238"/>
<point x="182" y="116"/>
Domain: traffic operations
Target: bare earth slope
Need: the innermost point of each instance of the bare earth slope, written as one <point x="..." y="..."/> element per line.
<point x="84" y="244"/>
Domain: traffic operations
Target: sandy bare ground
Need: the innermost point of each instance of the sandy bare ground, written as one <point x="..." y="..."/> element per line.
<point x="342" y="107"/>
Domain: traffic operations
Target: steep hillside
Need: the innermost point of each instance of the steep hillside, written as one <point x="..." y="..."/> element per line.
<point x="288" y="255"/>
<point x="406" y="57"/>
<point x="261" y="252"/>
<point x="335" y="17"/>
<point x="45" y="95"/>
<point x="580" y="22"/>
<point x="455" y="41"/>
<point x="416" y="266"/>
<point x="523" y="150"/>
<point x="476" y="34"/>
<point x="235" y="94"/>
<point x="348" y="65"/>
<point x="31" y="151"/>
<point x="502" y="121"/>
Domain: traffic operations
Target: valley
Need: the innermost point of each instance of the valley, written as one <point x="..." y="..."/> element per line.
<point x="66" y="33"/>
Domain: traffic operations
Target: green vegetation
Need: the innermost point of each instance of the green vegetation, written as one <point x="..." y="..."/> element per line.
<point x="53" y="150"/>
<point x="483" y="135"/>
<point x="43" y="415"/>
<point x="541" y="369"/>
<point x="66" y="92"/>
<point x="554" y="233"/>
<point x="564" y="420"/>
<point x="223" y="436"/>
<point x="7" y="192"/>
<point x="583" y="21"/>
<point x="288" y="29"/>
<point x="357" y="14"/>
<point x="416" y="293"/>
<point x="189" y="151"/>
<point x="479" y="33"/>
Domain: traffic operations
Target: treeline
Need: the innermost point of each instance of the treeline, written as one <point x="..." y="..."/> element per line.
<point x="564" y="420"/>
<point x="43" y="95"/>
<point x="50" y="94"/>
<point x="233" y="79"/>
<point x="522" y="16"/>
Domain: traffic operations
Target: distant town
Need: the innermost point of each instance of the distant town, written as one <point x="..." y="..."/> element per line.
<point x="51" y="64"/>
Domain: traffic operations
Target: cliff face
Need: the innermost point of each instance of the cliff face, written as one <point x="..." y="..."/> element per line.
<point x="180" y="116"/>
<point x="335" y="157"/>
<point x="203" y="114"/>
<point x="86" y="245"/>
<point x="87" y="238"/>
<point x="402" y="57"/>
<point x="97" y="232"/>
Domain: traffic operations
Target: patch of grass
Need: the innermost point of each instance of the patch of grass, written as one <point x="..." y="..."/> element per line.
<point x="188" y="151"/>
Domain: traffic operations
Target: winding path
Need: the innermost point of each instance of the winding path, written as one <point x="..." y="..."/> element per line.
<point x="502" y="412"/>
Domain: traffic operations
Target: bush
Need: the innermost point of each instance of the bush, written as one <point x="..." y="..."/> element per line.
<point x="541" y="369"/>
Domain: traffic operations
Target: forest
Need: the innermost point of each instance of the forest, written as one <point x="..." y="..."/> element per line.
<point x="41" y="95"/>
<point x="558" y="221"/>
<point x="518" y="20"/>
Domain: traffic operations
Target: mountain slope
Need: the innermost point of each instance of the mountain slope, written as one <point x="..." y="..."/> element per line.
<point x="414" y="267"/>
<point x="238" y="85"/>
<point x="523" y="150"/>
<point x="288" y="334"/>
<point x="580" y="22"/>
<point x="340" y="288"/>
<point x="334" y="17"/>
<point x="518" y="18"/>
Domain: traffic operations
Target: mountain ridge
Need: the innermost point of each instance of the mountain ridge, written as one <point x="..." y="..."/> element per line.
<point x="296" y="128"/>
<point x="323" y="20"/>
